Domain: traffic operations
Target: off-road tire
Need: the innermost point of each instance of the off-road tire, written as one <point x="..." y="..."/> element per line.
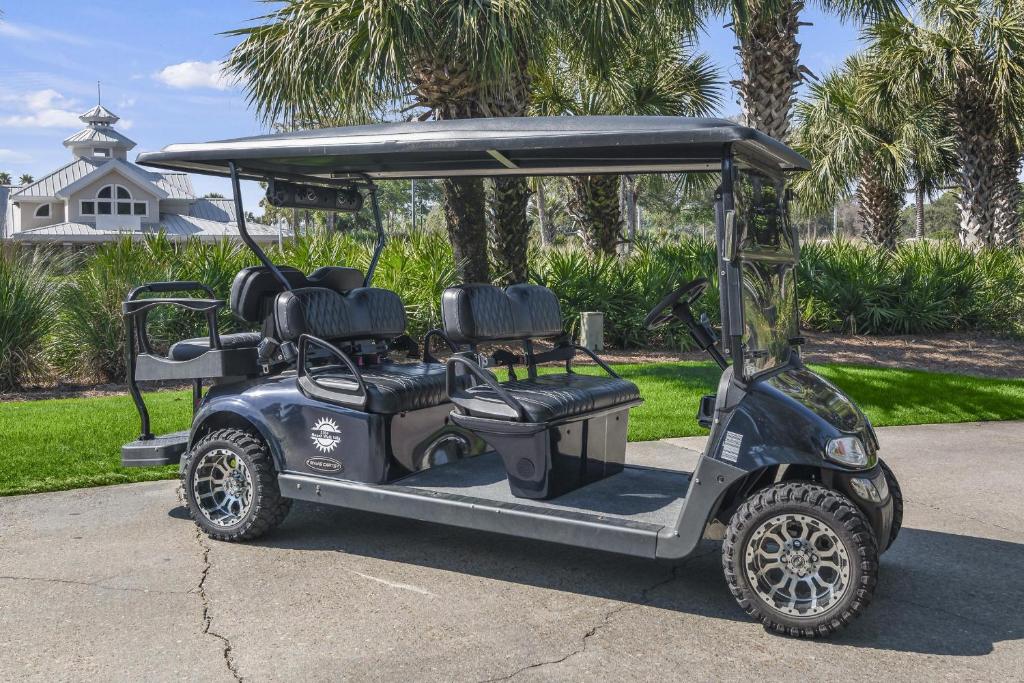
<point x="897" y="503"/>
<point x="267" y="508"/>
<point x="828" y="507"/>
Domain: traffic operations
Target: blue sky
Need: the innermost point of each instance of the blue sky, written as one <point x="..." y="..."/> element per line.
<point x="158" y="65"/>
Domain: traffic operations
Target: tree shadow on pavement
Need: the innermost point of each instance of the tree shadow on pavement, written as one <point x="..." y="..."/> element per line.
<point x="939" y="593"/>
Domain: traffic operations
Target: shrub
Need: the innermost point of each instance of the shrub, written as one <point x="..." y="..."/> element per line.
<point x="29" y="303"/>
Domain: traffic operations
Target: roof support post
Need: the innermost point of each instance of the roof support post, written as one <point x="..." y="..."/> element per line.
<point x="243" y="231"/>
<point x="382" y="239"/>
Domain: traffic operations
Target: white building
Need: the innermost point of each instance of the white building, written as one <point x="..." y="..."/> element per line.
<point x="101" y="196"/>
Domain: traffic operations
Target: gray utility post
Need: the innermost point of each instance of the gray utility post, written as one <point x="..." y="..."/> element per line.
<point x="592" y="330"/>
<point x="414" y="205"/>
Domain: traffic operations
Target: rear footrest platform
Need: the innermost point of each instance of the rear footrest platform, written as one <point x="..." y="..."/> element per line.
<point x="165" y="449"/>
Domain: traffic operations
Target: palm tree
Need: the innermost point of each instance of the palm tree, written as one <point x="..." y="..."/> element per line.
<point x="769" y="52"/>
<point x="873" y="152"/>
<point x="5" y="178"/>
<point x="357" y="60"/>
<point x="652" y="74"/>
<point x="26" y="179"/>
<point x="966" y="53"/>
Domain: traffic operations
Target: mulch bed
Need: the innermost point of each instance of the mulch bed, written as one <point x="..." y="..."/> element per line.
<point x="958" y="353"/>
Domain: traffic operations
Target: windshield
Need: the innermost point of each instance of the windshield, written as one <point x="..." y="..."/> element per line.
<point x="768" y="254"/>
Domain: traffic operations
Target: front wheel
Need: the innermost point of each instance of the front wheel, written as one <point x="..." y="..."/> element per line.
<point x="801" y="559"/>
<point x="230" y="487"/>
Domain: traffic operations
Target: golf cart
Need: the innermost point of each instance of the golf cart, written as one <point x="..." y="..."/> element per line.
<point x="315" y="407"/>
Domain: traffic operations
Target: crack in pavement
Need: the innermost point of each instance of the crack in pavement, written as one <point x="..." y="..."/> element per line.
<point x="94" y="584"/>
<point x="229" y="661"/>
<point x="936" y="508"/>
<point x="642" y="601"/>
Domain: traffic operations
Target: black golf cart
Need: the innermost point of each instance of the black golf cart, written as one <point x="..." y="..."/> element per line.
<point x="314" y="407"/>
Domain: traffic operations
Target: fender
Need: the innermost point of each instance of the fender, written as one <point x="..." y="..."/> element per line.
<point x="237" y="409"/>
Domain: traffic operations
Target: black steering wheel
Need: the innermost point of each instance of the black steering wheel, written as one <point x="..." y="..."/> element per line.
<point x="688" y="294"/>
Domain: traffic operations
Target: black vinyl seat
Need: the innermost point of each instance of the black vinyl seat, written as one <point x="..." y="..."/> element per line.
<point x="482" y="313"/>
<point x="393" y="388"/>
<point x="187" y="349"/>
<point x="554" y="397"/>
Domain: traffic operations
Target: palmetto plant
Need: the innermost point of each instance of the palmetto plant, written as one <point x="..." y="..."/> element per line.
<point x="872" y="151"/>
<point x="29" y="300"/>
<point x="653" y="73"/>
<point x="769" y="52"/>
<point x="970" y="55"/>
<point x="344" y="60"/>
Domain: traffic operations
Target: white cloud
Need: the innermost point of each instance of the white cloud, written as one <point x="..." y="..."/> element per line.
<point x="13" y="155"/>
<point x="28" y="32"/>
<point x="195" y="75"/>
<point x="45" y="108"/>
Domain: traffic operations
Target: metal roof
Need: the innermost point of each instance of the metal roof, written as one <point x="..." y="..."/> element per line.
<point x="99" y="114"/>
<point x="213" y="209"/>
<point x="553" y="145"/>
<point x="173" y="225"/>
<point x="100" y="135"/>
<point x="176" y="185"/>
<point x="50" y="185"/>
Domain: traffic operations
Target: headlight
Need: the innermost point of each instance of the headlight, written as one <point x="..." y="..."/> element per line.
<point x="847" y="450"/>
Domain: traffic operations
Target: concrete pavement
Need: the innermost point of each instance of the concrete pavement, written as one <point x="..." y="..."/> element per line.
<point x="115" y="583"/>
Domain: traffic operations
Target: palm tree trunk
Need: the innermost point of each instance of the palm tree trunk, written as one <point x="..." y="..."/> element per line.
<point x="511" y="229"/>
<point x="511" y="195"/>
<point x="1007" y="198"/>
<point x="977" y="133"/>
<point x="547" y="230"/>
<point x="879" y="210"/>
<point x="467" y="229"/>
<point x="594" y="207"/>
<point x="919" y="210"/>
<point x="770" y="58"/>
<point x="629" y="204"/>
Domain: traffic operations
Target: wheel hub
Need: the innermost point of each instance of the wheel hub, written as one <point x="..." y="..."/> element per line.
<point x="797" y="564"/>
<point x="222" y="487"/>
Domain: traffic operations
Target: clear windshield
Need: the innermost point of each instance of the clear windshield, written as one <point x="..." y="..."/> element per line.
<point x="768" y="254"/>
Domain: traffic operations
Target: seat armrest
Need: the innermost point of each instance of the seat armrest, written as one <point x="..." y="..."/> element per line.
<point x="482" y="375"/>
<point x="306" y="377"/>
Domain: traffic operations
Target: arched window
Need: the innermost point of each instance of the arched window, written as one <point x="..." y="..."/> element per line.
<point x="43" y="211"/>
<point x="111" y="198"/>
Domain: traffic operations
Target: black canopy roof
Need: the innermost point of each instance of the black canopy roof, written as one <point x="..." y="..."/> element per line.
<point x="553" y="145"/>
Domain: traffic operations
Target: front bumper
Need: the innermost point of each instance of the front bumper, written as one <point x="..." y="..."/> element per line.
<point x="870" y="491"/>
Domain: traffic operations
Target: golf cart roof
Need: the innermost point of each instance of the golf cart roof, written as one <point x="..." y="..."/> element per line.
<point x="528" y="146"/>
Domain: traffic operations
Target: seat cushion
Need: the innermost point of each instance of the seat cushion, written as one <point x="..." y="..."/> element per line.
<point x="193" y="348"/>
<point x="554" y="397"/>
<point x="395" y="387"/>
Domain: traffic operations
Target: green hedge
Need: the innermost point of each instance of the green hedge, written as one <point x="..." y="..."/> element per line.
<point x="66" y="317"/>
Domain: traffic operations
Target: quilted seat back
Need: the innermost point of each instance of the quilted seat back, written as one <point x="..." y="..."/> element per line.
<point x="480" y="312"/>
<point x="361" y="313"/>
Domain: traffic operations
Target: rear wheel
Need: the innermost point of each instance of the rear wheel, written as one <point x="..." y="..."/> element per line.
<point x="801" y="559"/>
<point x="230" y="487"/>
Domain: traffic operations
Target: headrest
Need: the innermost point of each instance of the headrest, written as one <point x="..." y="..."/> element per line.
<point x="337" y="278"/>
<point x="479" y="312"/>
<point x="362" y="313"/>
<point x="254" y="288"/>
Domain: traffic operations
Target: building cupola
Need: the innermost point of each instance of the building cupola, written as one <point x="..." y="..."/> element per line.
<point x="99" y="140"/>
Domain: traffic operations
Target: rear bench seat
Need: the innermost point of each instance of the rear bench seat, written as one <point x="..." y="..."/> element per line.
<point x="554" y="432"/>
<point x="362" y="314"/>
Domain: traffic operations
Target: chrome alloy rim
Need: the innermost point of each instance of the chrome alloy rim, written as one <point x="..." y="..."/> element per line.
<point x="222" y="486"/>
<point x="797" y="565"/>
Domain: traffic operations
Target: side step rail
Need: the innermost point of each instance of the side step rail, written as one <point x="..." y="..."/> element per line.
<point x="564" y="527"/>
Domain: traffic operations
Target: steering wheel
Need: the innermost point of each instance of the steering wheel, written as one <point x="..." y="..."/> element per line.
<point x="688" y="294"/>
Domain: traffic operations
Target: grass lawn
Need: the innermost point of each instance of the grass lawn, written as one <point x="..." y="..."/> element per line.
<point x="70" y="443"/>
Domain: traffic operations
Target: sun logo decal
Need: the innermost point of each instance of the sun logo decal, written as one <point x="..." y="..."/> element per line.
<point x="325" y="435"/>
